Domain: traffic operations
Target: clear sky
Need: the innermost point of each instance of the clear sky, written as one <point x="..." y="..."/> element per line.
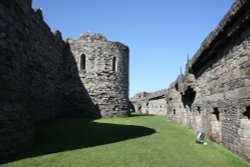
<point x="159" y="33"/>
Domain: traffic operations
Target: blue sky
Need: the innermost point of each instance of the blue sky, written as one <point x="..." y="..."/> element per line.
<point x="159" y="33"/>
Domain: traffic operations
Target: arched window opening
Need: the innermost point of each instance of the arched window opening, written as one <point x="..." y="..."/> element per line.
<point x="114" y="64"/>
<point x="83" y="62"/>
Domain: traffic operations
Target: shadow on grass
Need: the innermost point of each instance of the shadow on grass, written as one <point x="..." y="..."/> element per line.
<point x="70" y="134"/>
<point x="140" y="114"/>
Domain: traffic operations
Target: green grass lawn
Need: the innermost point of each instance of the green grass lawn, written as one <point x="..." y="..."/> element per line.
<point x="137" y="141"/>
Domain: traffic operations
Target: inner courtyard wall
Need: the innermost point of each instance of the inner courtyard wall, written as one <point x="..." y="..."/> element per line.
<point x="213" y="96"/>
<point x="40" y="79"/>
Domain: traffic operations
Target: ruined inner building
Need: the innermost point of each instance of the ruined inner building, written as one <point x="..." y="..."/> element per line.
<point x="43" y="76"/>
<point x="213" y="96"/>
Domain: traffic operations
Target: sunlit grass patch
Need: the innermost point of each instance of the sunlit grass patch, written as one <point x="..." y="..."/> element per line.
<point x="137" y="141"/>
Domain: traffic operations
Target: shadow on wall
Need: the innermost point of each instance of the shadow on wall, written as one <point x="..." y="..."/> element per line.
<point x="75" y="98"/>
<point x="188" y="97"/>
<point x="56" y="89"/>
<point x="78" y="134"/>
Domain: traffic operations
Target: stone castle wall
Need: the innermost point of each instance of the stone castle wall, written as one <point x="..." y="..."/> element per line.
<point x="156" y="106"/>
<point x="214" y="94"/>
<point x="32" y="74"/>
<point x="15" y="113"/>
<point x="150" y="103"/>
<point x="39" y="77"/>
<point x="103" y="68"/>
<point x="217" y="91"/>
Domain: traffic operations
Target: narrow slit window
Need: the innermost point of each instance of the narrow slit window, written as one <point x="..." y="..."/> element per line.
<point x="114" y="64"/>
<point x="83" y="62"/>
<point x="199" y="110"/>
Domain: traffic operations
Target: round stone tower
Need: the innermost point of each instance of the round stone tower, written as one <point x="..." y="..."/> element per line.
<point x="104" y="71"/>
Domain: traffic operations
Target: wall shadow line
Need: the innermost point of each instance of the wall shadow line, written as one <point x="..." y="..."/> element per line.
<point x="60" y="135"/>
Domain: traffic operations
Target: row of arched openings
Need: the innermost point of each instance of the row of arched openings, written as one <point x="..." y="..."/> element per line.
<point x="83" y="63"/>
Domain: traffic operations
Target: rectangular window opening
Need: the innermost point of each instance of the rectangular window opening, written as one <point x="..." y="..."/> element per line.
<point x="114" y="61"/>
<point x="82" y="62"/>
<point x="199" y="110"/>
<point x="174" y="111"/>
<point x="217" y="113"/>
<point x="247" y="112"/>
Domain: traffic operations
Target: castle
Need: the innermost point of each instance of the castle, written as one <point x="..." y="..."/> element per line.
<point x="213" y="96"/>
<point x="103" y="67"/>
<point x="43" y="76"/>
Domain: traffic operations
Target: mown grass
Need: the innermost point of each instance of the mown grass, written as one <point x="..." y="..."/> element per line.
<point x="137" y="141"/>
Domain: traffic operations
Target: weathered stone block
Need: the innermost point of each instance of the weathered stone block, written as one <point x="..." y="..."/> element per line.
<point x="246" y="141"/>
<point x="234" y="94"/>
<point x="244" y="92"/>
<point x="244" y="133"/>
<point x="245" y="124"/>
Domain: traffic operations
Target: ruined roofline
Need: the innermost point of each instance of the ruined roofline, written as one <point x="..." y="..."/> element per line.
<point x="139" y="96"/>
<point x="89" y="36"/>
<point x="153" y="95"/>
<point x="93" y="36"/>
<point x="220" y="31"/>
<point x="157" y="94"/>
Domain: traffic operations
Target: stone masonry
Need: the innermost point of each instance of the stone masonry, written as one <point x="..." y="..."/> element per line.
<point x="40" y="77"/>
<point x="213" y="95"/>
<point x="103" y="68"/>
<point x="150" y="103"/>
